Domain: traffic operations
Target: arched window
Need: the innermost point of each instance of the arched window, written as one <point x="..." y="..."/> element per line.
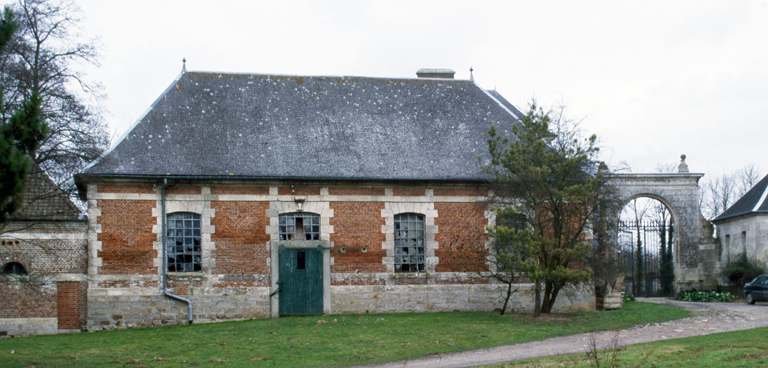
<point x="299" y="226"/>
<point x="409" y="242"/>
<point x="183" y="242"/>
<point x="13" y="268"/>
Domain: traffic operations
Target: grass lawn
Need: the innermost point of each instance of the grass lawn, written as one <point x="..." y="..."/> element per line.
<point x="317" y="341"/>
<point x="730" y="349"/>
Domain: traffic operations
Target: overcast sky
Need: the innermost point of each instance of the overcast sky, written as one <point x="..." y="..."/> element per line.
<point x="653" y="79"/>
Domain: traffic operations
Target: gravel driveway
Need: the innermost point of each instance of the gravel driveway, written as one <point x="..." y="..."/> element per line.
<point x="707" y="318"/>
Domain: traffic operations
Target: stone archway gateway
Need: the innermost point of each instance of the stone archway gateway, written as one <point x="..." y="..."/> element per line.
<point x="695" y="258"/>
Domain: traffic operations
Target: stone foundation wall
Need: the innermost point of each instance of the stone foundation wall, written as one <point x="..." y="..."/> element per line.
<point x="144" y="307"/>
<point x="17" y="327"/>
<point x="111" y="308"/>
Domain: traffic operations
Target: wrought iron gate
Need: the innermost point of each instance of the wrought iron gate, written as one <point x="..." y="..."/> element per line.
<point x="649" y="268"/>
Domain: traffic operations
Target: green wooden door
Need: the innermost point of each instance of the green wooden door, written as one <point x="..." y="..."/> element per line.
<point x="301" y="281"/>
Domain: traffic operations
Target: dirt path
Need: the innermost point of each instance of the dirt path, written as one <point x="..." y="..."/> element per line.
<point x="707" y="318"/>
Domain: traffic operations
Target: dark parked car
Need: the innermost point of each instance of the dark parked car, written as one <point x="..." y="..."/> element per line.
<point x="757" y="289"/>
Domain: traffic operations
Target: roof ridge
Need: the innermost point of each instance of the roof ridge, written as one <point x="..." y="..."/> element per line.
<point x="192" y="72"/>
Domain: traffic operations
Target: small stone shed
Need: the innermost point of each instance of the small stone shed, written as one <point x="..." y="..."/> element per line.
<point x="743" y="227"/>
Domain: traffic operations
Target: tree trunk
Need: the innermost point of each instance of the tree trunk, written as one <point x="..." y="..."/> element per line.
<point x="509" y="294"/>
<point x="537" y="299"/>
<point x="550" y="295"/>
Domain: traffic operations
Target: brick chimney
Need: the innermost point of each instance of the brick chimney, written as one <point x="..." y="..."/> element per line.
<point x="435" y="73"/>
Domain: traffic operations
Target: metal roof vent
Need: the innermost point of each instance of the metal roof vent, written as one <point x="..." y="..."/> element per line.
<point x="435" y="73"/>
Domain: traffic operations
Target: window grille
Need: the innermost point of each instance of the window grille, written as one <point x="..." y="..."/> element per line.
<point x="513" y="222"/>
<point x="183" y="242"/>
<point x="299" y="226"/>
<point x="409" y="242"/>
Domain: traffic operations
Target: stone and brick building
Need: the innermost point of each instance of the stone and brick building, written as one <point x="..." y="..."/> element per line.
<point x="43" y="263"/>
<point x="743" y="227"/>
<point x="275" y="195"/>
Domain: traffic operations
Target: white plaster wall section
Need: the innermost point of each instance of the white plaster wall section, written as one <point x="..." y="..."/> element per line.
<point x="756" y="228"/>
<point x="761" y="239"/>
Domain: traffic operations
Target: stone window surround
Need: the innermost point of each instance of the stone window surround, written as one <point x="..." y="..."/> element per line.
<point x="304" y="215"/>
<point x="277" y="208"/>
<point x="177" y="203"/>
<point x="426" y="209"/>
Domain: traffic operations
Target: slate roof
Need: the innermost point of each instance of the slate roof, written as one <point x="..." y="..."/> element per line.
<point x="220" y="125"/>
<point x="754" y="201"/>
<point x="44" y="201"/>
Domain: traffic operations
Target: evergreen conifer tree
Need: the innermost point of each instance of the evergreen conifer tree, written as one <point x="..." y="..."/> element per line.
<point x="20" y="136"/>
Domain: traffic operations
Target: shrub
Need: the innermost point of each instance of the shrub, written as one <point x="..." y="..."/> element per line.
<point x="706" y="296"/>
<point x="742" y="270"/>
<point x="627" y="297"/>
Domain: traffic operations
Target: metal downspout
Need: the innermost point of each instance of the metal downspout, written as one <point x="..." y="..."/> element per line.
<point x="165" y="256"/>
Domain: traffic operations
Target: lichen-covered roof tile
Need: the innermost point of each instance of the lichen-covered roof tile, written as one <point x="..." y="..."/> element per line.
<point x="44" y="201"/>
<point x="276" y="126"/>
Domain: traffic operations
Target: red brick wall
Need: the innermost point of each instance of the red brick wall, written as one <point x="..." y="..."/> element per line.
<point x="409" y="192"/>
<point x="27" y="299"/>
<point x="183" y="190"/>
<point x="299" y="191"/>
<point x="240" y="190"/>
<point x="459" y="224"/>
<point x="240" y="237"/>
<point x="125" y="189"/>
<point x="47" y="256"/>
<point x="357" y="224"/>
<point x="465" y="192"/>
<point x="71" y="304"/>
<point x="127" y="237"/>
<point x="356" y="191"/>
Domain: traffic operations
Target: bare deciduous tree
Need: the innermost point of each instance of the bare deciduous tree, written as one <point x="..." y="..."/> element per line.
<point x="43" y="59"/>
<point x="720" y="192"/>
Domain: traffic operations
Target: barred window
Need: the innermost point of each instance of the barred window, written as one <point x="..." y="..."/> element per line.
<point x="183" y="242"/>
<point x="299" y="226"/>
<point x="409" y="242"/>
